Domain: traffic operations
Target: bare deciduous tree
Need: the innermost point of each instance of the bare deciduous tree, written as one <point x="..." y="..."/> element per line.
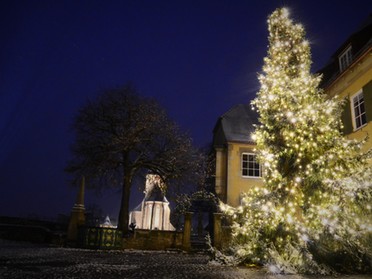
<point x="121" y="133"/>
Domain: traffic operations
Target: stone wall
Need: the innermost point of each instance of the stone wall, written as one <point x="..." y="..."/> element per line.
<point x="37" y="231"/>
<point x="141" y="239"/>
<point x="153" y="240"/>
<point x="221" y="237"/>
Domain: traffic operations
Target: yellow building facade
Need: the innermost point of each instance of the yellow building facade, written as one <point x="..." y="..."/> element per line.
<point x="348" y="76"/>
<point x="237" y="169"/>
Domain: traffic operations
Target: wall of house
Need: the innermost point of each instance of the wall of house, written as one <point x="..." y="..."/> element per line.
<point x="236" y="183"/>
<point x="358" y="76"/>
<point x="221" y="173"/>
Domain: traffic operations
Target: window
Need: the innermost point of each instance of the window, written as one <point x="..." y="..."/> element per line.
<point x="250" y="166"/>
<point x="358" y="110"/>
<point x="345" y="59"/>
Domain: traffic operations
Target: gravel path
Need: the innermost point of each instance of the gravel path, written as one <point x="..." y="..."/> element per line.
<point x="31" y="261"/>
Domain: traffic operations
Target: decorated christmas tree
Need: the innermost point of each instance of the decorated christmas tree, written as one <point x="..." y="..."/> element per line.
<point x="313" y="214"/>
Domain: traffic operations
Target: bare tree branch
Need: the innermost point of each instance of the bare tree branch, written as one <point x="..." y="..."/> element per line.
<point x="121" y="133"/>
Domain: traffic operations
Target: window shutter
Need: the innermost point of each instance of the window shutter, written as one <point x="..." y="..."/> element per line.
<point x="367" y="94"/>
<point x="347" y="118"/>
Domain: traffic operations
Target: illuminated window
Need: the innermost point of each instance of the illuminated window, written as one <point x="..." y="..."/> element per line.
<point x="359" y="111"/>
<point x="250" y="165"/>
<point x="345" y="59"/>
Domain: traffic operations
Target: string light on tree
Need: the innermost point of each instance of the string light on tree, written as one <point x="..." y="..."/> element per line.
<point x="317" y="187"/>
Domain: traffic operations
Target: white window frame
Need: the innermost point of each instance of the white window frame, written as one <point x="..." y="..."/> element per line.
<point x="345" y="58"/>
<point x="248" y="168"/>
<point x="357" y="104"/>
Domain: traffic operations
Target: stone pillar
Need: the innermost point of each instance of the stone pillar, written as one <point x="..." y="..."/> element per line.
<point x="217" y="230"/>
<point x="219" y="174"/>
<point x="77" y="214"/>
<point x="186" y="244"/>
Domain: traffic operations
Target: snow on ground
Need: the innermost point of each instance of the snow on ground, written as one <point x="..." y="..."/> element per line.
<point x="22" y="260"/>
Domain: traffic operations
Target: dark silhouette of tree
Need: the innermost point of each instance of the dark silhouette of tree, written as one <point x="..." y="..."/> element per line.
<point x="121" y="134"/>
<point x="208" y="169"/>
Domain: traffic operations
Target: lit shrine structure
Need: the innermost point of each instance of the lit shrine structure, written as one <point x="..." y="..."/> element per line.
<point x="153" y="213"/>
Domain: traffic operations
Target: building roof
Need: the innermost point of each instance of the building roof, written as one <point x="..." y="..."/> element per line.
<point x="236" y="125"/>
<point x="360" y="42"/>
<point x="155" y="194"/>
<point x="153" y="191"/>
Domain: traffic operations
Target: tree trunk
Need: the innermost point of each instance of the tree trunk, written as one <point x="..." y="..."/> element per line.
<point x="124" y="206"/>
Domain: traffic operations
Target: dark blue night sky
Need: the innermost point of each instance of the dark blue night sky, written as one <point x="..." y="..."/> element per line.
<point x="197" y="58"/>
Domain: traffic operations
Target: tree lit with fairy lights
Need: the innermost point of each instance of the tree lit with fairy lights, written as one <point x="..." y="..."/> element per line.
<point x="313" y="214"/>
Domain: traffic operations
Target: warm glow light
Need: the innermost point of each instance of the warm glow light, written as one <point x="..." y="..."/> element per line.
<point x="315" y="181"/>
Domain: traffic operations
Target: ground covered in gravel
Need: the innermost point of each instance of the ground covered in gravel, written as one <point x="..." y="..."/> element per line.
<point x="20" y="260"/>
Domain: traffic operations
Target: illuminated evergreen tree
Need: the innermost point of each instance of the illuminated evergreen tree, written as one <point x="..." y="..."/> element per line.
<point x="316" y="201"/>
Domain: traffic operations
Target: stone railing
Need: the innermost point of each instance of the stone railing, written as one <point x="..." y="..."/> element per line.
<point x="111" y="238"/>
<point x="99" y="238"/>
